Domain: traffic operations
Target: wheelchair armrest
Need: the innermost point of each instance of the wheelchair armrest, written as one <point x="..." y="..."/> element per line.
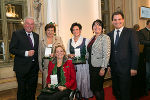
<point x="72" y="94"/>
<point x="75" y="94"/>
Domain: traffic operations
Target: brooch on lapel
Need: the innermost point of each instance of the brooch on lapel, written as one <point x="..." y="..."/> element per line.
<point x="67" y="66"/>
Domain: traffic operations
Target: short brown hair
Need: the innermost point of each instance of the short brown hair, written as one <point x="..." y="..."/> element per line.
<point x="117" y="13"/>
<point x="75" y="24"/>
<point x="50" y="26"/>
<point x="99" y="22"/>
<point x="148" y="21"/>
<point x="136" y="27"/>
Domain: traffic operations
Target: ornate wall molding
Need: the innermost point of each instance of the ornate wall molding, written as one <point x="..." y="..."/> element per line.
<point x="128" y="7"/>
<point x="37" y="14"/>
<point x="34" y="10"/>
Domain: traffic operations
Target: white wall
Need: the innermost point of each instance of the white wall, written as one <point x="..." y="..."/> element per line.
<point x="70" y="11"/>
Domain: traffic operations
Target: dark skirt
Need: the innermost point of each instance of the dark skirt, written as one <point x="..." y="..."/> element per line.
<point x="60" y="95"/>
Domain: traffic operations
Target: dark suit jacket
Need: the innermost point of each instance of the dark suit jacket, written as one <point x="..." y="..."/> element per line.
<point x="126" y="56"/>
<point x="144" y="37"/>
<point x="18" y="45"/>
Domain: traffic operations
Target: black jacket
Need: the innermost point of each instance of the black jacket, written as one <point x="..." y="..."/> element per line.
<point x="18" y="45"/>
<point x="125" y="54"/>
<point x="144" y="37"/>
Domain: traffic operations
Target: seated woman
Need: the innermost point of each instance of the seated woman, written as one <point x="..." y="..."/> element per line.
<point x="61" y="73"/>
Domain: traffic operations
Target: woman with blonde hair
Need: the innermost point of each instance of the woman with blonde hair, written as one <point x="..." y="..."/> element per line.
<point x="63" y="72"/>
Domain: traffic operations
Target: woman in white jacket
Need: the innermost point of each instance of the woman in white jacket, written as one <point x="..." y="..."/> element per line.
<point x="99" y="54"/>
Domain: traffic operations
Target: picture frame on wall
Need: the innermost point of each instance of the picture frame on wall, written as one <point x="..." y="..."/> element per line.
<point x="145" y="12"/>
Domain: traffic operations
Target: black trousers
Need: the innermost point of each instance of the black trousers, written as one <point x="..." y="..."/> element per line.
<point x="60" y="95"/>
<point x="27" y="84"/>
<point x="121" y="86"/>
<point x="96" y="82"/>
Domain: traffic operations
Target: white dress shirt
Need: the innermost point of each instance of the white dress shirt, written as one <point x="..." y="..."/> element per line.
<point x="115" y="33"/>
<point x="31" y="36"/>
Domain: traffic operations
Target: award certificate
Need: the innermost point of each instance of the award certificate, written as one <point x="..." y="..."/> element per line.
<point x="54" y="80"/>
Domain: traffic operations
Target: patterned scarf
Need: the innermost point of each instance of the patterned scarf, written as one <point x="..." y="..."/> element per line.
<point x="62" y="76"/>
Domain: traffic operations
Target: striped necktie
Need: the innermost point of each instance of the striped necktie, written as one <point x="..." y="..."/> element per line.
<point x="30" y="40"/>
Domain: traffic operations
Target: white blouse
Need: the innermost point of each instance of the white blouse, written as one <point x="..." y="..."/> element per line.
<point x="76" y="44"/>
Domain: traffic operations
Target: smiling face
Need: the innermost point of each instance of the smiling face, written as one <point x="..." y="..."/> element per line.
<point x="50" y="32"/>
<point x="59" y="53"/>
<point x="76" y="31"/>
<point x="29" y="25"/>
<point x="118" y="21"/>
<point x="97" y="29"/>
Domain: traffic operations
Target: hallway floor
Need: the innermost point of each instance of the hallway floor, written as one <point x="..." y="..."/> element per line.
<point x="11" y="93"/>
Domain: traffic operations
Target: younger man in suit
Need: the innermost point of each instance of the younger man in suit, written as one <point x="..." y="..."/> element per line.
<point x="123" y="58"/>
<point x="24" y="45"/>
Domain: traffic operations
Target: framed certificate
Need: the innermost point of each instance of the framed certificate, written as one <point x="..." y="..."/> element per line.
<point x="145" y="12"/>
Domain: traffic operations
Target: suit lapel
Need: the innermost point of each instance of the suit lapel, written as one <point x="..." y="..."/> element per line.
<point x="35" y="39"/>
<point x="97" y="41"/>
<point x="54" y="40"/>
<point x="112" y="38"/>
<point x="26" y="38"/>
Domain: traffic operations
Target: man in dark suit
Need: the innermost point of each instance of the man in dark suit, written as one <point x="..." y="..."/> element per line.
<point x="123" y="58"/>
<point x="24" y="45"/>
<point x="144" y="37"/>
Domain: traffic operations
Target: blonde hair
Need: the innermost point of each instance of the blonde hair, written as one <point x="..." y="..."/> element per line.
<point x="60" y="47"/>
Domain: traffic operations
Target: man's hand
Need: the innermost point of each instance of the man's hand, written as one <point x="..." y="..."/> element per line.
<point x="41" y="70"/>
<point x="133" y="72"/>
<point x="31" y="52"/>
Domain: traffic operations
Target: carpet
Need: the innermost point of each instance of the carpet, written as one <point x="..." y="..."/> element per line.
<point x="109" y="95"/>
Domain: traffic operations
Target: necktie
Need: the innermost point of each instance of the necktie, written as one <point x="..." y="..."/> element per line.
<point x="117" y="38"/>
<point x="30" y="40"/>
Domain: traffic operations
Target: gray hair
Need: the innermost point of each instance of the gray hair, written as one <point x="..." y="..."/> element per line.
<point x="28" y="17"/>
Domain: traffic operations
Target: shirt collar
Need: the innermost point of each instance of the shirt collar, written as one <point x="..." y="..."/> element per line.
<point x="75" y="44"/>
<point x="29" y="33"/>
<point x="79" y="38"/>
<point x="120" y="30"/>
<point x="148" y="29"/>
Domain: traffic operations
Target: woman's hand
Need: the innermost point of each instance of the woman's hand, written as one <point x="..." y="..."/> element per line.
<point x="41" y="70"/>
<point x="61" y="88"/>
<point x="71" y="55"/>
<point x="51" y="55"/>
<point x="48" y="85"/>
<point x="102" y="72"/>
<point x="109" y="70"/>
